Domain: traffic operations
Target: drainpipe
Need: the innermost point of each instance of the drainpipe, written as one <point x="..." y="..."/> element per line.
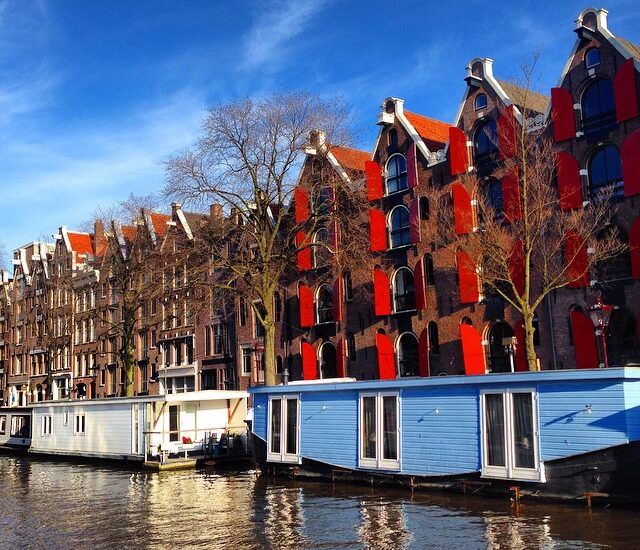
<point x="551" y="328"/>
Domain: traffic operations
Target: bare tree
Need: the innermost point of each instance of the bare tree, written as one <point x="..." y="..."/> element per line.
<point x="127" y="211"/>
<point x="3" y="255"/>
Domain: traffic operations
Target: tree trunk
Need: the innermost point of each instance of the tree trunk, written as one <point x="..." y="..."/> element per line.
<point x="270" y="354"/>
<point x="127" y="364"/>
<point x="530" y="351"/>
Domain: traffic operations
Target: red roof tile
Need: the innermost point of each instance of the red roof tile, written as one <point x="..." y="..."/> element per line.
<point x="160" y="223"/>
<point x="433" y="132"/>
<point x="353" y="159"/>
<point x="129" y="232"/>
<point x="80" y="243"/>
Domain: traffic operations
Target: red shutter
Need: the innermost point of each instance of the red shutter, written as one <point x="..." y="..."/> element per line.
<point x="511" y="196"/>
<point x="568" y="175"/>
<point x="576" y="254"/>
<point x="516" y="266"/>
<point x="507" y="133"/>
<point x="462" y="211"/>
<point x="309" y="364"/>
<point x="377" y="230"/>
<point x="625" y="91"/>
<point x="458" y="151"/>
<point x="423" y="353"/>
<point x="472" y="351"/>
<point x="521" y="355"/>
<point x="374" y="180"/>
<point x="584" y="341"/>
<point x="334" y="235"/>
<point x="381" y="293"/>
<point x="341" y="359"/>
<point x="412" y="166"/>
<point x="634" y="246"/>
<point x="631" y="164"/>
<point x="301" y="204"/>
<point x="564" y="122"/>
<point x="414" y="220"/>
<point x="305" y="303"/>
<point x="337" y="300"/>
<point x="467" y="278"/>
<point x="386" y="357"/>
<point x="419" y="285"/>
<point x="304" y="254"/>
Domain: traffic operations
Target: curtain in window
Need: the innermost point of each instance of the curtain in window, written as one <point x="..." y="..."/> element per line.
<point x="495" y="430"/>
<point x="390" y="428"/>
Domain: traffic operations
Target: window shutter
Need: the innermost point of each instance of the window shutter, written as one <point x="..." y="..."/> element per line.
<point x="412" y="166"/>
<point x="414" y="220"/>
<point x="568" y="176"/>
<point x="419" y="285"/>
<point x="423" y="352"/>
<point x="386" y="357"/>
<point x="305" y="303"/>
<point x="377" y="230"/>
<point x="625" y="91"/>
<point x="458" y="151"/>
<point x="341" y="359"/>
<point x="576" y="254"/>
<point x="634" y="246"/>
<point x="381" y="293"/>
<point x="462" y="211"/>
<point x="334" y="235"/>
<point x="516" y="266"/>
<point x="374" y="180"/>
<point x="631" y="164"/>
<point x="301" y="204"/>
<point x="507" y="133"/>
<point x="337" y="300"/>
<point x="309" y="365"/>
<point x="467" y="278"/>
<point x="564" y="122"/>
<point x="521" y="356"/>
<point x="472" y="352"/>
<point x="511" y="196"/>
<point x="584" y="340"/>
<point x="304" y="254"/>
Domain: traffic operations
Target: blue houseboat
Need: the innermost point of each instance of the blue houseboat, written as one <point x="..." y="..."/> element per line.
<point x="554" y="434"/>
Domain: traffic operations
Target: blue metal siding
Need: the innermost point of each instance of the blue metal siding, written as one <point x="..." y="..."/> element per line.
<point x="260" y="402"/>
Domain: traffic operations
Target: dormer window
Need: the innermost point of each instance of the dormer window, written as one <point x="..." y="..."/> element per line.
<point x="481" y="102"/>
<point x="592" y="58"/>
<point x="396" y="174"/>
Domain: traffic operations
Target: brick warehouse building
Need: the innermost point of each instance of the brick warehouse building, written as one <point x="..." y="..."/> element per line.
<point x="410" y="311"/>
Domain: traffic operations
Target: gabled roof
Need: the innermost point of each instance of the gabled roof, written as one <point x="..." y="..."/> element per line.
<point x="81" y="244"/>
<point x="195" y="219"/>
<point x="352" y="159"/>
<point x="129" y="232"/>
<point x="534" y="100"/>
<point x="434" y="133"/>
<point x="159" y="223"/>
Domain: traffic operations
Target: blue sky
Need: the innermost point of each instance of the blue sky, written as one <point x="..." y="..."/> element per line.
<point x="95" y="95"/>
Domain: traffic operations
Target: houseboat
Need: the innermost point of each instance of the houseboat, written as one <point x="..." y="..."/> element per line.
<point x="15" y="429"/>
<point x="566" y="434"/>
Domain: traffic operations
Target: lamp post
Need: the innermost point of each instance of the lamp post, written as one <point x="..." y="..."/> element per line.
<point x="600" y="314"/>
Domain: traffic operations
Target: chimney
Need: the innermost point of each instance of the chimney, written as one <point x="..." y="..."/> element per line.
<point x="175" y="206"/>
<point x="215" y="211"/>
<point x="99" y="240"/>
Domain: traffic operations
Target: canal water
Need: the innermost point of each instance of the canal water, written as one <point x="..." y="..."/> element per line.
<point x="47" y="505"/>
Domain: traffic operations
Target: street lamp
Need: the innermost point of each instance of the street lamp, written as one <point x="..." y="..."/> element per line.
<point x="600" y="314"/>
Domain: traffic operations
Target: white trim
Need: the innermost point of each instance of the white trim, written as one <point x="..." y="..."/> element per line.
<point x="390" y="227"/>
<point x="379" y="462"/>
<point x="282" y="455"/>
<point x="397" y="350"/>
<point x="319" y="356"/>
<point x="393" y="288"/>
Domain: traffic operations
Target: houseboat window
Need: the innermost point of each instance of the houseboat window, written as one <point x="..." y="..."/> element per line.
<point x="174" y="425"/>
<point x="283" y="436"/>
<point x="3" y="424"/>
<point x="276" y="425"/>
<point x="396" y="174"/>
<point x="80" y="425"/>
<point x="46" y="425"/>
<point x="65" y="418"/>
<point x="20" y="426"/>
<point x="292" y="426"/>
<point x="379" y="429"/>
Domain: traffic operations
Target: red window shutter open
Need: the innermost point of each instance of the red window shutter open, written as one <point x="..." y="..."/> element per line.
<point x="341" y="359"/>
<point x="412" y="166"/>
<point x="419" y="285"/>
<point x="584" y="340"/>
<point x="462" y="209"/>
<point x="472" y="351"/>
<point x="309" y="365"/>
<point x="304" y="254"/>
<point x="458" y="151"/>
<point x="414" y="220"/>
<point x="423" y="353"/>
<point x="564" y="122"/>
<point x="511" y="196"/>
<point x="626" y="92"/>
<point x="467" y="278"/>
<point x="631" y="164"/>
<point x="568" y="176"/>
<point x="374" y="180"/>
<point x="301" y="204"/>
<point x="381" y="293"/>
<point x="337" y="300"/>
<point x="377" y="230"/>
<point x="521" y="355"/>
<point x="305" y="303"/>
<point x="516" y="266"/>
<point x="576" y="254"/>
<point x="507" y="133"/>
<point x="334" y="235"/>
<point x="386" y="357"/>
<point x="634" y="246"/>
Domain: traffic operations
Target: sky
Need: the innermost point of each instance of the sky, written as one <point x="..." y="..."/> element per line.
<point x="95" y="96"/>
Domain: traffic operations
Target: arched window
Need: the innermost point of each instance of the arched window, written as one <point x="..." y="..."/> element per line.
<point x="485" y="142"/>
<point x="424" y="208"/>
<point x="320" y="250"/>
<point x="327" y="360"/>
<point x="324" y="304"/>
<point x="618" y="267"/>
<point x="407" y="352"/>
<point x="351" y="346"/>
<point x="605" y="174"/>
<point x="466" y="321"/>
<point x="429" y="273"/>
<point x="392" y="138"/>
<point x="598" y="108"/>
<point x="396" y="174"/>
<point x="404" y="295"/>
<point x="348" y="286"/>
<point x="592" y="58"/>
<point x="481" y="101"/>
<point x="622" y="338"/>
<point x="399" y="231"/>
<point x="500" y="358"/>
<point x="434" y="342"/>
<point x="493" y="197"/>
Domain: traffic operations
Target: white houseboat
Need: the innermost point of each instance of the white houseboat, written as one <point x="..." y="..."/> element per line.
<point x="15" y="428"/>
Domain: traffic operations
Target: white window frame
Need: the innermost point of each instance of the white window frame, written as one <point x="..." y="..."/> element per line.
<point x="379" y="462"/>
<point x="282" y="455"/>
<point x="47" y="425"/>
<point x="76" y="426"/>
<point x="65" y="418"/>
<point x="510" y="471"/>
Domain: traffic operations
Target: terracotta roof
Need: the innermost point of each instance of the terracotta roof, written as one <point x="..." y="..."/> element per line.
<point x="353" y="159"/>
<point x="80" y="244"/>
<point x="129" y="232"/>
<point x="535" y="101"/>
<point x="160" y="223"/>
<point x="634" y="49"/>
<point x="434" y="133"/>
